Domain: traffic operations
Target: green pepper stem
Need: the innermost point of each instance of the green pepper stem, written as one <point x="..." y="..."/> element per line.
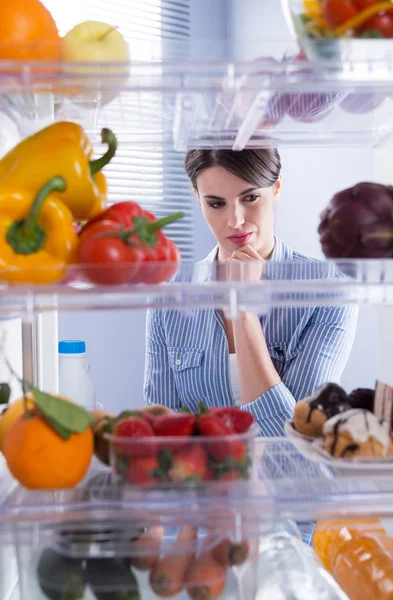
<point x="56" y="184"/>
<point x="154" y="226"/>
<point x="107" y="137"/>
<point x="26" y="236"/>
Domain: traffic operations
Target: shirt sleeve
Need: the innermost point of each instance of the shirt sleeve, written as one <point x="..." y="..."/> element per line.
<point x="325" y="345"/>
<point x="159" y="383"/>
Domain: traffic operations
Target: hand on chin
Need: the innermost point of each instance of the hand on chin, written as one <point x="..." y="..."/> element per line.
<point x="245" y="264"/>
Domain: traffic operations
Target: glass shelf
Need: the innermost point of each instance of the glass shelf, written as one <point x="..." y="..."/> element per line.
<point x="289" y="487"/>
<point x="183" y="104"/>
<point x="203" y="286"/>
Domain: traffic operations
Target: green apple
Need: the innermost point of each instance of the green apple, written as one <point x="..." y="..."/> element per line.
<point x="96" y="43"/>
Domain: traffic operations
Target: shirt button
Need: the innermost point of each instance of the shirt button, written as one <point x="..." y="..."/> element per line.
<point x="178" y="361"/>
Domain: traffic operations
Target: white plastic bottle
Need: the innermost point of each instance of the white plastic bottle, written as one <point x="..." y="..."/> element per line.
<point x="74" y="380"/>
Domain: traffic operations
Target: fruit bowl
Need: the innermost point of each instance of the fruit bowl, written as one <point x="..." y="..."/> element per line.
<point x="173" y="461"/>
<point x="320" y="40"/>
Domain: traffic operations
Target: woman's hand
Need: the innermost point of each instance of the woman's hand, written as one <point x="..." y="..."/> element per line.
<point x="245" y="264"/>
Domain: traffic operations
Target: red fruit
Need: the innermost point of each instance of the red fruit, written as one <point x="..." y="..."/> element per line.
<point x="135" y="429"/>
<point x="337" y="12"/>
<point x="210" y="425"/>
<point x="210" y="474"/>
<point x="362" y="4"/>
<point x="382" y="23"/>
<point x="189" y="464"/>
<point x="105" y="257"/>
<point x="238" y="420"/>
<point x="175" y="424"/>
<point x="230" y="476"/>
<point x="143" y="470"/>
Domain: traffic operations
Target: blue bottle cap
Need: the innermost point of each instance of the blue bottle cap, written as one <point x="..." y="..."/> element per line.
<point x="72" y="347"/>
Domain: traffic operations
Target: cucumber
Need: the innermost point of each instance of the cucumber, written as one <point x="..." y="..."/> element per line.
<point x="111" y="579"/>
<point x="59" y="577"/>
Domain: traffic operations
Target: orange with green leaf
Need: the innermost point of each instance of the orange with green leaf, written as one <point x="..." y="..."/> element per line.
<point x="50" y="444"/>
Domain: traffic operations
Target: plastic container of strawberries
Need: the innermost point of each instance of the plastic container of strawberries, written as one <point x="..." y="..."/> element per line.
<point x="173" y="461"/>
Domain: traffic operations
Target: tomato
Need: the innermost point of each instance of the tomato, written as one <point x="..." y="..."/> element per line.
<point x="337" y="12"/>
<point x="105" y="258"/>
<point x="382" y="23"/>
<point x="138" y="250"/>
<point x="170" y="268"/>
<point x="121" y="212"/>
<point x="362" y="4"/>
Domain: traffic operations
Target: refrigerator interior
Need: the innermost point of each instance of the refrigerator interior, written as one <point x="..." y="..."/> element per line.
<point x="211" y="88"/>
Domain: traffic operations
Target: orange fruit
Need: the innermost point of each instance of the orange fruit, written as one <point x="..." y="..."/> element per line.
<point x="13" y="411"/>
<point x="40" y="459"/>
<point x="329" y="536"/>
<point x="28" y="32"/>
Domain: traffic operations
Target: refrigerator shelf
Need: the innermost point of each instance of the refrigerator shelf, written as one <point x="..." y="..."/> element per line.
<point x="194" y="104"/>
<point x="203" y="286"/>
<point x="289" y="487"/>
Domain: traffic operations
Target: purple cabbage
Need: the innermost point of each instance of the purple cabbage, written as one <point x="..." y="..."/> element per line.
<point x="358" y="223"/>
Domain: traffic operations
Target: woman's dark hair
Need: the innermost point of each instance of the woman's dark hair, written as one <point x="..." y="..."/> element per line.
<point x="259" y="167"/>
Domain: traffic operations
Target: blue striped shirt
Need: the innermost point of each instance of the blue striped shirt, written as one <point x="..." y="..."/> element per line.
<point x="187" y="352"/>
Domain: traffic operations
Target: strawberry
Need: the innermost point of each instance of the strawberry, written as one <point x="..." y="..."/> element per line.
<point x="210" y="474"/>
<point x="143" y="471"/>
<point x="154" y="411"/>
<point x="230" y="476"/>
<point x="238" y="420"/>
<point x="227" y="446"/>
<point x="135" y="430"/>
<point x="176" y="424"/>
<point x="188" y="464"/>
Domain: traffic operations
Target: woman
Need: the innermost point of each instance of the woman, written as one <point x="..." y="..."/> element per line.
<point x="264" y="364"/>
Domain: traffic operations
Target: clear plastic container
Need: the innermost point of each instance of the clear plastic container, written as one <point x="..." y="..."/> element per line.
<point x="104" y="541"/>
<point x="143" y="547"/>
<point x="179" y="461"/>
<point x="304" y="18"/>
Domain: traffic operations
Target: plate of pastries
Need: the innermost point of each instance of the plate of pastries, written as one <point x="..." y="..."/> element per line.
<point x="341" y="430"/>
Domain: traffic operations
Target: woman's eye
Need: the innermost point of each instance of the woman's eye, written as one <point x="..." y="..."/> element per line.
<point x="251" y="198"/>
<point x="216" y="204"/>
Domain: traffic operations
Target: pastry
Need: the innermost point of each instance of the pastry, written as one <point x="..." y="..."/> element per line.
<point x="362" y="398"/>
<point x="312" y="412"/>
<point x="357" y="432"/>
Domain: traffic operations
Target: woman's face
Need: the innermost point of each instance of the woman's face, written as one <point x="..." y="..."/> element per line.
<point x="237" y="212"/>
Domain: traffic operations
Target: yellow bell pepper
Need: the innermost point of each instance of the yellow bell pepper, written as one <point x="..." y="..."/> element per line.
<point x="37" y="237"/>
<point x="61" y="148"/>
<point x="312" y="8"/>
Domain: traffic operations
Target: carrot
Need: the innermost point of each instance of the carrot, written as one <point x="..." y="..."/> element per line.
<point x="168" y="575"/>
<point x="230" y="554"/>
<point x="145" y="550"/>
<point x="206" y="578"/>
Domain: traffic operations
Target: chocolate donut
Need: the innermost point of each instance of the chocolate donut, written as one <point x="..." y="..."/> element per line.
<point x="312" y="412"/>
